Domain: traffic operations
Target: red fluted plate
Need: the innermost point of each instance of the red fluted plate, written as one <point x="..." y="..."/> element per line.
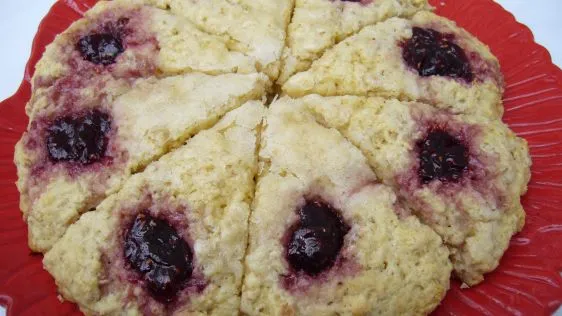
<point x="528" y="280"/>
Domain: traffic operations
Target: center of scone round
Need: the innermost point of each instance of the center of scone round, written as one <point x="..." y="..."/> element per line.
<point x="316" y="239"/>
<point x="434" y="54"/>
<point x="80" y="139"/>
<point x="442" y="156"/>
<point x="100" y="48"/>
<point x="164" y="259"/>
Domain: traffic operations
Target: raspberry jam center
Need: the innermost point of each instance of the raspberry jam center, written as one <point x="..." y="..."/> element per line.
<point x="81" y="139"/>
<point x="442" y="157"/>
<point x="435" y="54"/>
<point x="163" y="258"/>
<point x="100" y="48"/>
<point x="316" y="239"/>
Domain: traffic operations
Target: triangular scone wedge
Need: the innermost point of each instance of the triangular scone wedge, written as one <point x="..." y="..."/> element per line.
<point x="73" y="157"/>
<point x="256" y="28"/>
<point x="462" y="175"/>
<point x="320" y="24"/>
<point x="372" y="63"/>
<point x="202" y="192"/>
<point x="316" y="192"/>
<point x="140" y="40"/>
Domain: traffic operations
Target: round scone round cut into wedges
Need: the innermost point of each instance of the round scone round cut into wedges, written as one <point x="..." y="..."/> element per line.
<point x="156" y="182"/>
<point x="462" y="175"/>
<point x="317" y="25"/>
<point x="74" y="155"/>
<point x="427" y="58"/>
<point x="172" y="241"/>
<point x="325" y="237"/>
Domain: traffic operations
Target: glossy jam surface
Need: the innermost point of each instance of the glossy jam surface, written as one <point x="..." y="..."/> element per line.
<point x="81" y="139"/>
<point x="435" y="54"/>
<point x="100" y="48"/>
<point x="316" y="239"/>
<point x="162" y="257"/>
<point x="442" y="157"/>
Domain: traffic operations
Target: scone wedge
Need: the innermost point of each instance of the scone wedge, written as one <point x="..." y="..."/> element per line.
<point x="427" y="58"/>
<point x="326" y="238"/>
<point x="462" y="175"/>
<point x="119" y="41"/>
<point x="320" y="24"/>
<point x="172" y="241"/>
<point x="75" y="155"/>
<point x="256" y="28"/>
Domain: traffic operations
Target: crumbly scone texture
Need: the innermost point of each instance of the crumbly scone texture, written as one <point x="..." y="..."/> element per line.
<point x="370" y="63"/>
<point x="476" y="218"/>
<point x="209" y="183"/>
<point x="154" y="117"/>
<point x="256" y="28"/>
<point x="319" y="24"/>
<point x="393" y="265"/>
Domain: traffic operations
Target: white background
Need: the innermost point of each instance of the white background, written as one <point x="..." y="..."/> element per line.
<point x="19" y="21"/>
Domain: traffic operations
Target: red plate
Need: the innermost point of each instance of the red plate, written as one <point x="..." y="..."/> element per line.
<point x="528" y="280"/>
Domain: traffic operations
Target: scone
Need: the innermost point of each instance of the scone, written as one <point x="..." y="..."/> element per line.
<point x="75" y="154"/>
<point x="426" y="59"/>
<point x="172" y="241"/>
<point x="462" y="175"/>
<point x="319" y="24"/>
<point x="124" y="40"/>
<point x="256" y="28"/>
<point x="326" y="238"/>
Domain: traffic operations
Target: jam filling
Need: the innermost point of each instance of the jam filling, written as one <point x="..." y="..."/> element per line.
<point x="316" y="239"/>
<point x="442" y="157"/>
<point x="81" y="139"/>
<point x="435" y="54"/>
<point x="160" y="255"/>
<point x="100" y="48"/>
